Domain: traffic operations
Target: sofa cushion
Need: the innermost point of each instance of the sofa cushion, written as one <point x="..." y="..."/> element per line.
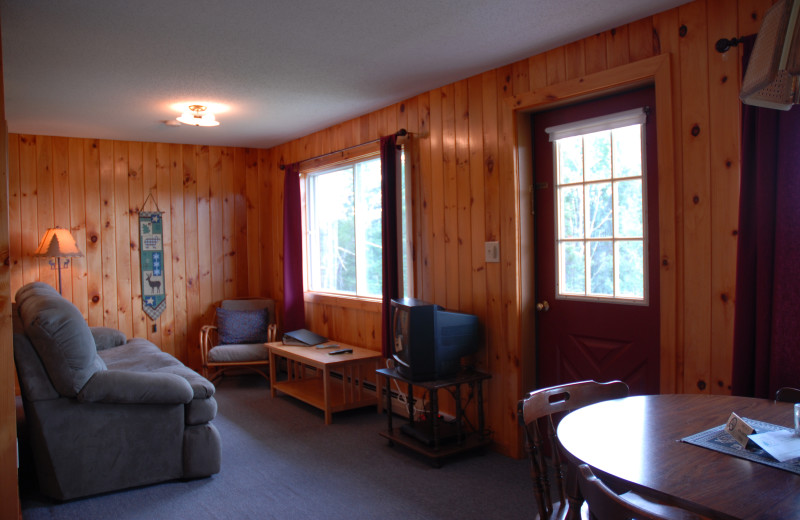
<point x="106" y="337"/>
<point x="138" y="355"/>
<point x="123" y="387"/>
<point x="60" y="335"/>
<point x="201" y="387"/>
<point x="242" y="326"/>
<point x="200" y="411"/>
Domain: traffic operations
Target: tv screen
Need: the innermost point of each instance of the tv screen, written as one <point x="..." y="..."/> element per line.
<point x="429" y="341"/>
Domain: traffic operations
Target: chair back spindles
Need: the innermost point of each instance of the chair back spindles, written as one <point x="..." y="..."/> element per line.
<point x="788" y="394"/>
<point x="539" y="415"/>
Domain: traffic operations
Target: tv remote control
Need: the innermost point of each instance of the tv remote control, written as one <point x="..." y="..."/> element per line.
<point x="342" y="351"/>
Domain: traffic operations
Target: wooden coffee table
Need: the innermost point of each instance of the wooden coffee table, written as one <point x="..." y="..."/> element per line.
<point x="332" y="383"/>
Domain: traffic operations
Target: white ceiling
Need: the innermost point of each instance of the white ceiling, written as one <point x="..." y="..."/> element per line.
<point x="281" y="69"/>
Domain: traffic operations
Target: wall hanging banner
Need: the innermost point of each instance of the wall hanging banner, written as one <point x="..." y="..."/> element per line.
<point x="151" y="244"/>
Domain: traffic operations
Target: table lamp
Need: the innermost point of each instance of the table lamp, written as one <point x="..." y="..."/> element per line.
<point x="58" y="243"/>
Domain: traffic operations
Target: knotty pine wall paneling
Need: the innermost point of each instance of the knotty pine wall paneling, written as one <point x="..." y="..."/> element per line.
<point x="96" y="188"/>
<point x="9" y="494"/>
<point x="464" y="144"/>
<point x="724" y="161"/>
<point x="695" y="141"/>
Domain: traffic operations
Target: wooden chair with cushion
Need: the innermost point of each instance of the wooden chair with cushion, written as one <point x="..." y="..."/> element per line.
<point x="788" y="394"/>
<point x="605" y="504"/>
<point x="237" y="339"/>
<point x="539" y="414"/>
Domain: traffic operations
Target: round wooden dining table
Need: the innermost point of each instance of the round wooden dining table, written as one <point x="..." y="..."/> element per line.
<point x="637" y="440"/>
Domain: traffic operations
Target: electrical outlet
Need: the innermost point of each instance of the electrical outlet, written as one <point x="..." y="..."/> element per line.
<point x="492" y="252"/>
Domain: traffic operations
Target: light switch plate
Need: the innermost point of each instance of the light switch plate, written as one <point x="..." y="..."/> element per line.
<point x="492" y="252"/>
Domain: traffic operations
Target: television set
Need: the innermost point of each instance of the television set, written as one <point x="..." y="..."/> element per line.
<point x="428" y="341"/>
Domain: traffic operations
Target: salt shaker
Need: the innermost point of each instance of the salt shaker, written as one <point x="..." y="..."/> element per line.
<point x="797" y="419"/>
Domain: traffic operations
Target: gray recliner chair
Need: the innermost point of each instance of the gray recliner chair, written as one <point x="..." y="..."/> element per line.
<point x="104" y="413"/>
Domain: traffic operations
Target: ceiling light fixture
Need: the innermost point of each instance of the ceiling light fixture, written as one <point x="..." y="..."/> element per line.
<point x="197" y="116"/>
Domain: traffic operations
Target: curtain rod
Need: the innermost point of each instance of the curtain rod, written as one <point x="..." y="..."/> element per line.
<point x="399" y="133"/>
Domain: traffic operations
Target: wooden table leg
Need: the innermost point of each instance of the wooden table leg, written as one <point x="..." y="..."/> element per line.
<point x="326" y="382"/>
<point x="272" y="371"/>
<point x="389" y="406"/>
<point x="435" y="417"/>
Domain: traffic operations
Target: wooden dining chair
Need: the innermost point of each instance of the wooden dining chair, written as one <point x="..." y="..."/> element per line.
<point x="788" y="394"/>
<point x="236" y="339"/>
<point x="605" y="504"/>
<point x="539" y="414"/>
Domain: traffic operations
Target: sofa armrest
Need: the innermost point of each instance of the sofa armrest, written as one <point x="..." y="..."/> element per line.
<point x="122" y="387"/>
<point x="106" y="337"/>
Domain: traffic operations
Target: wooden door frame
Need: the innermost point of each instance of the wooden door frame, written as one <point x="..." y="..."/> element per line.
<point x="9" y="484"/>
<point x="654" y="71"/>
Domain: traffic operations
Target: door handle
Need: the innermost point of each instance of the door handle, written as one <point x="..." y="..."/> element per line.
<point x="543" y="306"/>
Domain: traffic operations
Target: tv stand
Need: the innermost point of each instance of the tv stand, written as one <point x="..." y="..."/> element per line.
<point x="434" y="438"/>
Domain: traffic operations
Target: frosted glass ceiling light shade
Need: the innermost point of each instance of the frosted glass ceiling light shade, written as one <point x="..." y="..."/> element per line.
<point x="197" y="116"/>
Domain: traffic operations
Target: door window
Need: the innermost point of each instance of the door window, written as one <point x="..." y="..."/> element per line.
<point x="601" y="210"/>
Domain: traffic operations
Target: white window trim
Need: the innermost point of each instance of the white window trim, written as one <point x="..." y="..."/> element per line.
<point x="321" y="167"/>
<point x="588" y="126"/>
<point x="598" y="124"/>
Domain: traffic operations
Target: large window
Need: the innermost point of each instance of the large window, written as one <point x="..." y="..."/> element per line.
<point x="343" y="237"/>
<point x="601" y="208"/>
<point x="344" y="229"/>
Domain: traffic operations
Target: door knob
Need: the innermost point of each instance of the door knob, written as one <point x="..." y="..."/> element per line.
<point x="543" y="306"/>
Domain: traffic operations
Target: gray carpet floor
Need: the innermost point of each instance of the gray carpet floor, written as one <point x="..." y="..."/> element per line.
<point x="280" y="461"/>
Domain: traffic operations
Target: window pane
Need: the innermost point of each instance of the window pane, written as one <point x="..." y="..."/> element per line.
<point x="601" y="208"/>
<point x="572" y="268"/>
<point x="334" y="223"/>
<point x="601" y="269"/>
<point x="597" y="147"/>
<point x="570" y="160"/>
<point x="570" y="211"/>
<point x="630" y="268"/>
<point x="627" y="151"/>
<point x="368" y="228"/>
<point x="599" y="211"/>
<point x="628" y="211"/>
<point x="406" y="227"/>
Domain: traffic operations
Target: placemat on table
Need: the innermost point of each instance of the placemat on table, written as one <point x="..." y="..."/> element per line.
<point x="718" y="439"/>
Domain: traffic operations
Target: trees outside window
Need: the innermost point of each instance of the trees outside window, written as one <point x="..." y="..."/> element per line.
<point x="600" y="182"/>
<point x="344" y="251"/>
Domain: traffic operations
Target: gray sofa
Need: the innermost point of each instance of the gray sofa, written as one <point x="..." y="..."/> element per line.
<point x="105" y="413"/>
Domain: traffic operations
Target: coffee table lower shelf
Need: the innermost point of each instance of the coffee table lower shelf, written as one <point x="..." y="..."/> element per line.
<point x="471" y="442"/>
<point x="312" y="391"/>
<point x="330" y="383"/>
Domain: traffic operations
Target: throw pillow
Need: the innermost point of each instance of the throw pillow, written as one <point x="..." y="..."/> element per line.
<point x="235" y="327"/>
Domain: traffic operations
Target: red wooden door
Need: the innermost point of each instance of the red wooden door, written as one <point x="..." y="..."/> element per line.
<point x="612" y="330"/>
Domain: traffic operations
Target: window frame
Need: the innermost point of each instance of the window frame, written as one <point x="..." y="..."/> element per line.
<point x="582" y="128"/>
<point x="344" y="158"/>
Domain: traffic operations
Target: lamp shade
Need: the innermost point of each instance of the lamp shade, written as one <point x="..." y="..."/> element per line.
<point x="57" y="242"/>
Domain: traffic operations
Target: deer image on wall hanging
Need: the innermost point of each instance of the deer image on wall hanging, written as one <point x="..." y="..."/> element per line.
<point x="151" y="247"/>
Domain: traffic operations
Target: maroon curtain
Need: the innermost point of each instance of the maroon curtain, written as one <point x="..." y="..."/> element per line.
<point x="766" y="353"/>
<point x="293" y="304"/>
<point x="389" y="209"/>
